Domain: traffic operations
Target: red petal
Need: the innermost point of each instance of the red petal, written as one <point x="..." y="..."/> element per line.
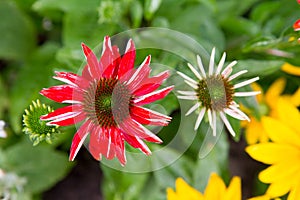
<point x="62" y="93"/>
<point x="151" y="84"/>
<point x="78" y="139"/>
<point x="68" y="121"/>
<point x="72" y="79"/>
<point x="127" y="61"/>
<point x="135" y="142"/>
<point x="61" y="112"/>
<point x="110" y="58"/>
<point x="146" y="116"/>
<point x="153" y="96"/>
<point x="139" y="75"/>
<point x="93" y="67"/>
<point x="296" y="25"/>
<point x="131" y="127"/>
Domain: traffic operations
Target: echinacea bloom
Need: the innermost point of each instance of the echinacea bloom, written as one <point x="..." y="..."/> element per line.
<point x="282" y="152"/>
<point x="216" y="190"/>
<point x="214" y="92"/>
<point x="254" y="131"/>
<point x="2" y="131"/>
<point x="108" y="98"/>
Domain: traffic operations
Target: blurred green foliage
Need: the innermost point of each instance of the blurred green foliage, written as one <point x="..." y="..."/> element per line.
<point x="40" y="36"/>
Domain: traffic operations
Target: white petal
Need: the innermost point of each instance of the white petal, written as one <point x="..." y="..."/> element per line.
<point x="200" y="65"/>
<point x="187" y="78"/>
<point x="194" y="71"/>
<point x="247" y="82"/>
<point x="188" y="97"/>
<point x="221" y="64"/>
<point x="193" y="108"/>
<point x="209" y="117"/>
<point x="191" y="84"/>
<point x="212" y="62"/>
<point x="237" y="74"/>
<point x="199" y="118"/>
<point x="234" y="114"/>
<point x="187" y="92"/>
<point x="240" y="112"/>
<point x="227" y="124"/>
<point x="214" y="123"/>
<point x="227" y="71"/>
<point x="246" y="94"/>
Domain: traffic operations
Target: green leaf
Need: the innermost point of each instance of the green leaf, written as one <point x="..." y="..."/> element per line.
<point x="3" y="97"/>
<point x="31" y="78"/>
<point x="119" y="185"/>
<point x="242" y="26"/>
<point x="17" y="32"/>
<point x="136" y="13"/>
<point x="261" y="68"/>
<point x="41" y="165"/>
<point x="216" y="161"/>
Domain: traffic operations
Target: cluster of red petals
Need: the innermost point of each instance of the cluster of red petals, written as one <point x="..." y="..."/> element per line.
<point x="296" y="25"/>
<point x="109" y="141"/>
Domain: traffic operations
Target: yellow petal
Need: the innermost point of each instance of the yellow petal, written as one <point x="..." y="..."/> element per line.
<point x="186" y="191"/>
<point x="255" y="132"/>
<point x="279" y="132"/>
<point x="271" y="153"/>
<point x="278" y="189"/>
<point x="295" y="192"/>
<point x="295" y="98"/>
<point x="288" y="114"/>
<point x="215" y="187"/>
<point x="256" y="87"/>
<point x="281" y="172"/>
<point x="274" y="92"/>
<point x="171" y="195"/>
<point x="234" y="190"/>
<point x="291" y="69"/>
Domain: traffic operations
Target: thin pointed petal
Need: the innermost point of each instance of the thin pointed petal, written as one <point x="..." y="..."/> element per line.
<point x="212" y="62"/>
<point x="237" y="74"/>
<point x="194" y="71"/>
<point x="246" y="94"/>
<point x="187" y="78"/>
<point x="227" y="71"/>
<point x="221" y="64"/>
<point x="227" y="124"/>
<point x="193" y="108"/>
<point x="199" y="118"/>
<point x="153" y="96"/>
<point x="127" y="61"/>
<point x="200" y="65"/>
<point x="214" y="123"/>
<point x="94" y="68"/>
<point x="247" y="82"/>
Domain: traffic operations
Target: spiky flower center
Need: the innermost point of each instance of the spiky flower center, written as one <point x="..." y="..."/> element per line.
<point x="107" y="102"/>
<point x="37" y="129"/>
<point x="215" y="92"/>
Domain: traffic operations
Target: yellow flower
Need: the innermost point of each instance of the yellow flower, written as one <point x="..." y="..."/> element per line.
<point x="215" y="190"/>
<point x="290" y="69"/>
<point x="282" y="153"/>
<point x="267" y="102"/>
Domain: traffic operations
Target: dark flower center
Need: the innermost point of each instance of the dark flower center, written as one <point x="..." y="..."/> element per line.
<point x="215" y="92"/>
<point x="107" y="102"/>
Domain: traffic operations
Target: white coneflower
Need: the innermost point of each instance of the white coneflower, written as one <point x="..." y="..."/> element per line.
<point x="2" y="131"/>
<point x="214" y="92"/>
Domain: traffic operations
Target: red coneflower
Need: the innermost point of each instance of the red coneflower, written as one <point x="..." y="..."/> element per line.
<point x="107" y="98"/>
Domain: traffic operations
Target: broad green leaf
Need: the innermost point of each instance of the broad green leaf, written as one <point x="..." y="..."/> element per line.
<point x="31" y="78"/>
<point x="242" y="26"/>
<point x="17" y="32"/>
<point x="216" y="161"/>
<point x="136" y="13"/>
<point x="233" y="7"/>
<point x="261" y="68"/>
<point x="119" y="185"/>
<point x="42" y="166"/>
